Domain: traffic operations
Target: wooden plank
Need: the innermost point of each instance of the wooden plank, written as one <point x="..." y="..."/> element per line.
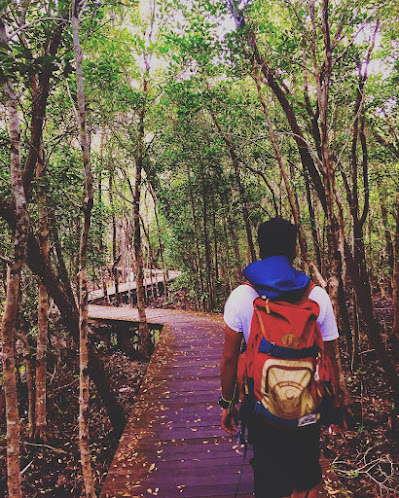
<point x="194" y="491"/>
<point x="184" y="372"/>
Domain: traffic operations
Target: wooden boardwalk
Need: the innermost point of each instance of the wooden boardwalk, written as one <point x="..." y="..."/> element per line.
<point x="173" y="445"/>
<point x="127" y="287"/>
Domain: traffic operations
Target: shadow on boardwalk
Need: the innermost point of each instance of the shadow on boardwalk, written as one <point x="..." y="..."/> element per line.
<point x="173" y="445"/>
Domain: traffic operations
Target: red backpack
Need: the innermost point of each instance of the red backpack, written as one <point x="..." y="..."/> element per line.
<point x="284" y="371"/>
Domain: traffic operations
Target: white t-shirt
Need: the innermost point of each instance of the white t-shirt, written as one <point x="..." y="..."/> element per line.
<point x="238" y="311"/>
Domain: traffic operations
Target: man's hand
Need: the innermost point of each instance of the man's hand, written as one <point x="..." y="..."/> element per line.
<point x="230" y="420"/>
<point x="228" y="374"/>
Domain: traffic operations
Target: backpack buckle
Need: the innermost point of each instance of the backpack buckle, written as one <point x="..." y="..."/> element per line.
<point x="272" y="348"/>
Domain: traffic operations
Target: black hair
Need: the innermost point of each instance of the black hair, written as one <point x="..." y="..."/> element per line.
<point x="277" y="237"/>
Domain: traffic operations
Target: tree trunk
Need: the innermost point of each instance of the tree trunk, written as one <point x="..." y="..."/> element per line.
<point x="144" y="332"/>
<point x="208" y="263"/>
<point x="244" y="205"/>
<point x="13" y="292"/>
<point x="29" y="380"/>
<point x="87" y="204"/>
<point x="106" y="300"/>
<point x="115" y="257"/>
<point x="237" y="255"/>
<point x="395" y="279"/>
<point x="161" y="246"/>
<point x="39" y="104"/>
<point x="389" y="251"/>
<point x="215" y="238"/>
<point x="227" y="264"/>
<point x="355" y="338"/>
<point x="315" y="233"/>
<point x="196" y="238"/>
<point x="151" y="261"/>
<point x="10" y="383"/>
<point x="344" y="323"/>
<point x="43" y="310"/>
<point x="371" y="326"/>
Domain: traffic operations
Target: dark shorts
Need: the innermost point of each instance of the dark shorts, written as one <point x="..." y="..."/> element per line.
<point x="284" y="460"/>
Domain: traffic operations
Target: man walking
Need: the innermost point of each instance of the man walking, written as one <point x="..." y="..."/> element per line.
<point x="286" y="460"/>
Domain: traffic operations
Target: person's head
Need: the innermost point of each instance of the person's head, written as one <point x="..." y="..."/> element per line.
<point x="277" y="237"/>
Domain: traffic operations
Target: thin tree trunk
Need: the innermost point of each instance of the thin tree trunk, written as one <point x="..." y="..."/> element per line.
<point x="87" y="204"/>
<point x="215" y="239"/>
<point x="335" y="249"/>
<point x="355" y="338"/>
<point x="161" y="246"/>
<point x="387" y="234"/>
<point x="144" y="332"/>
<point x="43" y="310"/>
<point x="56" y="341"/>
<point x="236" y="247"/>
<point x="115" y="258"/>
<point x="267" y="183"/>
<point x="196" y="236"/>
<point x="29" y="380"/>
<point x="145" y="273"/>
<point x="344" y="323"/>
<point x="13" y="292"/>
<point x="106" y="300"/>
<point x="228" y="265"/>
<point x="315" y="234"/>
<point x="395" y="279"/>
<point x="208" y="263"/>
<point x="150" y="260"/>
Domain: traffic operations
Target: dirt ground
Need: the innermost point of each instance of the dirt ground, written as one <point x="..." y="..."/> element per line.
<point x="366" y="455"/>
<point x="53" y="469"/>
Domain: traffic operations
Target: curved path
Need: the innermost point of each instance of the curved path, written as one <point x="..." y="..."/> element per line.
<point x="173" y="445"/>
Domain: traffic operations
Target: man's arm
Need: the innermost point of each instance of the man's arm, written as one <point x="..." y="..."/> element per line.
<point x="228" y="376"/>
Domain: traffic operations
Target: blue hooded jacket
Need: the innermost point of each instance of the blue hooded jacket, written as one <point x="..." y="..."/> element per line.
<point x="275" y="278"/>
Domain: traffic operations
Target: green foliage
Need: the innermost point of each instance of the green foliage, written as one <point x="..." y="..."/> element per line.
<point x="196" y="65"/>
